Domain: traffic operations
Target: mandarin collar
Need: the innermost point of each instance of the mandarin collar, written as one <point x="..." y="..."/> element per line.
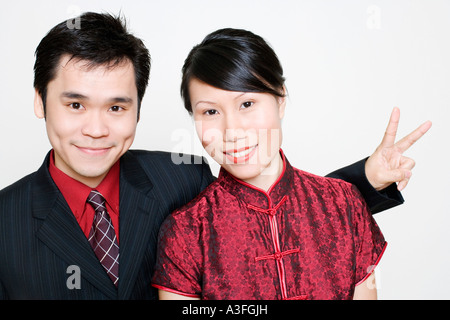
<point x="257" y="197"/>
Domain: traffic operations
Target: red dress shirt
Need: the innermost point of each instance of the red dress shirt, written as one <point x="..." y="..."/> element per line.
<point x="307" y="237"/>
<point x="75" y="193"/>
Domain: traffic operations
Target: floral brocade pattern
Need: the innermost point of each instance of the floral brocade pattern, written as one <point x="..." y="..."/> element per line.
<point x="308" y="237"/>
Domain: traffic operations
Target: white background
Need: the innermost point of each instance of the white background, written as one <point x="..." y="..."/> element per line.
<point x="347" y="63"/>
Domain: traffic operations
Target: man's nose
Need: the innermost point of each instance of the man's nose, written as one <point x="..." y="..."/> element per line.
<point x="95" y="125"/>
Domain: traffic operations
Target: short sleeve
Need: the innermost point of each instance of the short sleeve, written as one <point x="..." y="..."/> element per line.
<point x="369" y="240"/>
<point x="177" y="263"/>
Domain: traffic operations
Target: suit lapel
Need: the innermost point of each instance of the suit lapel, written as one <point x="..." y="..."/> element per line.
<point x="137" y="221"/>
<point x="60" y="232"/>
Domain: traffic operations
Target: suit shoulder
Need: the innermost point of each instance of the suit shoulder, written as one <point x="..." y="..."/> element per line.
<point x="175" y="180"/>
<point x="17" y="187"/>
<point x="168" y="166"/>
<point x="168" y="158"/>
<point x="163" y="155"/>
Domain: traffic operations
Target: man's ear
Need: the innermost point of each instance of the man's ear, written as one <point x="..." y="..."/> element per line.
<point x="38" y="105"/>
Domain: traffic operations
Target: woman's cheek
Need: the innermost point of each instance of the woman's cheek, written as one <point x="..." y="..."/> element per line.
<point x="212" y="141"/>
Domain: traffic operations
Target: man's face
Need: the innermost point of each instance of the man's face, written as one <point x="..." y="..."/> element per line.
<point x="91" y="117"/>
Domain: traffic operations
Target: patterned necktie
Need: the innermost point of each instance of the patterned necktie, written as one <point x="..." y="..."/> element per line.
<point x="103" y="237"/>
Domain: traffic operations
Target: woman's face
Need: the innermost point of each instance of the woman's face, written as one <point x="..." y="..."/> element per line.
<point x="240" y="130"/>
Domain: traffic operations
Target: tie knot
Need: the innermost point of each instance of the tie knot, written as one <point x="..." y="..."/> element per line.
<point x="96" y="200"/>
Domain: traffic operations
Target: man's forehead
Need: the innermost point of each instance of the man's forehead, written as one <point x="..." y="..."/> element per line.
<point x="69" y="63"/>
<point x="76" y="78"/>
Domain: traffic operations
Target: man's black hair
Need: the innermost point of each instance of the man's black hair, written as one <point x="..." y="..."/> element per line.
<point x="97" y="38"/>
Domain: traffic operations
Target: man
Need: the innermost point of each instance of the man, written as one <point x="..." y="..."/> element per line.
<point x="85" y="225"/>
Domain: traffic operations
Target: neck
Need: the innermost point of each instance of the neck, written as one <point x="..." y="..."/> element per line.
<point x="269" y="175"/>
<point x="90" y="181"/>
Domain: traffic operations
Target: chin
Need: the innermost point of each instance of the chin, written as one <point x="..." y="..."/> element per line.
<point x="245" y="172"/>
<point x="92" y="173"/>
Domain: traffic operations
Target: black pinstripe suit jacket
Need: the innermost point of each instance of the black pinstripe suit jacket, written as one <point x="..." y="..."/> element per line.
<point x="40" y="240"/>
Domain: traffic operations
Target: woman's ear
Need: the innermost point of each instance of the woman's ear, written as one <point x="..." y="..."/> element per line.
<point x="282" y="103"/>
<point x="38" y="105"/>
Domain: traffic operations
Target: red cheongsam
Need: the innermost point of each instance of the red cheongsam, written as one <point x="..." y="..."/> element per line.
<point x="307" y="237"/>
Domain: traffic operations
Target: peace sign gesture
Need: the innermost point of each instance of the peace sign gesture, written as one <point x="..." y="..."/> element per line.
<point x="388" y="164"/>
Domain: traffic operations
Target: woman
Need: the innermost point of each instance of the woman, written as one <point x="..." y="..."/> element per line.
<point x="263" y="229"/>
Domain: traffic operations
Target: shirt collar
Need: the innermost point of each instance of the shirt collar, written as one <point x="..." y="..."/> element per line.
<point x="255" y="196"/>
<point x="75" y="193"/>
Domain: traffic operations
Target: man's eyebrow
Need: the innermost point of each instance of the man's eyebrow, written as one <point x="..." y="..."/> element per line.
<point x="121" y="100"/>
<point x="79" y="96"/>
<point x="73" y="95"/>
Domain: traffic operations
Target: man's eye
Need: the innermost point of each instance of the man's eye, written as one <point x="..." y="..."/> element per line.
<point x="247" y="104"/>
<point x="76" y="105"/>
<point x="115" y="108"/>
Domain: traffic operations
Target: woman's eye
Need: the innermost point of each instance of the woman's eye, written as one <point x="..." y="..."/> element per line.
<point x="211" y="112"/>
<point x="247" y="104"/>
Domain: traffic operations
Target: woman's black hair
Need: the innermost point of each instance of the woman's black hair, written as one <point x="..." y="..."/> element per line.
<point x="233" y="60"/>
<point x="97" y="38"/>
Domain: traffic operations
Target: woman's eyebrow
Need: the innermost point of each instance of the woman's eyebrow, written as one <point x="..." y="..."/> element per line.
<point x="204" y="101"/>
